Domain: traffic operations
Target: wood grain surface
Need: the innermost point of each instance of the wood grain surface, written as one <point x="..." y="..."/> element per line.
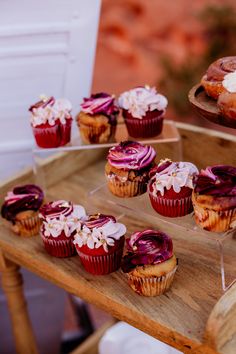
<point x="207" y="108"/>
<point x="178" y="317"/>
<point x="221" y="325"/>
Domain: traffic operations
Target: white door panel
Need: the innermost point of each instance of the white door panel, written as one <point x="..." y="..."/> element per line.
<point x="46" y="47"/>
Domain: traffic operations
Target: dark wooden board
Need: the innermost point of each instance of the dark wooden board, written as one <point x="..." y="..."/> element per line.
<point x="207" y="108"/>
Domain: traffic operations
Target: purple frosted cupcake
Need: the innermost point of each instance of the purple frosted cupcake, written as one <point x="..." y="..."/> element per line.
<point x="150" y="263"/>
<point x="100" y="244"/>
<point x="127" y="169"/>
<point x="214" y="198"/>
<point x="61" y="219"/>
<point x="21" y="209"/>
<point x="143" y="111"/>
<point x="98" y="118"/>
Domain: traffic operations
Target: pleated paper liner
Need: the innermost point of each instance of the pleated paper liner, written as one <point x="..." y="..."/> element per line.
<point x="151" y="286"/>
<point x="126" y="189"/>
<point x="59" y="248"/>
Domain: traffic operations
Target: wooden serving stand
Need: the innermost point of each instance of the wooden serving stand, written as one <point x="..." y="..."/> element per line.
<point x="192" y="316"/>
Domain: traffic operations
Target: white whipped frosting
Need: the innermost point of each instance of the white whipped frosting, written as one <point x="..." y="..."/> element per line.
<point x="68" y="224"/>
<point x="176" y="175"/>
<point x="229" y="82"/>
<point x="100" y="236"/>
<point x="59" y="110"/>
<point x="140" y="100"/>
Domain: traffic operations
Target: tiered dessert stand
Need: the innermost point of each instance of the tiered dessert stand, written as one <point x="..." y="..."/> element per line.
<point x="192" y="316"/>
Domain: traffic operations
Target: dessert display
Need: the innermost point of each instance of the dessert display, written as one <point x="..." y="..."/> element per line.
<point x="21" y="209"/>
<point x="143" y="111"/>
<point x="98" y="118"/>
<point x="60" y="220"/>
<point x="170" y="187"/>
<point x="214" y="198"/>
<point x="214" y="98"/>
<point x="51" y="122"/>
<point x="127" y="169"/>
<point x="99" y="243"/>
<point x="150" y="263"/>
<point x="215" y="74"/>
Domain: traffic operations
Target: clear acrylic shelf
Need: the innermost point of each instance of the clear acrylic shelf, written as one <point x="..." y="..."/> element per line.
<point x="169" y="134"/>
<point x="140" y="207"/>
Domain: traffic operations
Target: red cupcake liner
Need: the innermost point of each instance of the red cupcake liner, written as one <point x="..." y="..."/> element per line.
<point x="59" y="248"/>
<point x="53" y="136"/>
<point x="101" y="265"/>
<point x="171" y="207"/>
<point x="144" y="128"/>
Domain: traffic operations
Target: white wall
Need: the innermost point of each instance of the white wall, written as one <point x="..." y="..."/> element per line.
<point x="45" y="47"/>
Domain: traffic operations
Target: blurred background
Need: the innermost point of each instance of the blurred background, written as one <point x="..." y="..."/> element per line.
<point x="169" y="44"/>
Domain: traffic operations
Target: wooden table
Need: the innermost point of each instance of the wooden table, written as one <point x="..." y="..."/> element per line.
<point x="188" y="317"/>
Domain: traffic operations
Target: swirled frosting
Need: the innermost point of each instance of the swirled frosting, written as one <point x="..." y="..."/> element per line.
<point x="217" y="181"/>
<point x="221" y="67"/>
<point x="147" y="247"/>
<point x="174" y="175"/>
<point x="140" y="100"/>
<point x="61" y="216"/>
<point x="229" y="82"/>
<point x="100" y="103"/>
<point x="99" y="231"/>
<point x="49" y="110"/>
<point x="22" y="198"/>
<point x="131" y="155"/>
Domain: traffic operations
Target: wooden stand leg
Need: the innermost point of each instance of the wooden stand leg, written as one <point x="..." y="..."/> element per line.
<point x="12" y="286"/>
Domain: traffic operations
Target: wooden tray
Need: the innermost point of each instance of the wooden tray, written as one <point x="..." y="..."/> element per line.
<point x="207" y="108"/>
<point x="187" y="317"/>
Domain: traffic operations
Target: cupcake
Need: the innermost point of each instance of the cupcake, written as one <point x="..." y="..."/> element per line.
<point x="51" y="122"/>
<point x="143" y="111"/>
<point x="214" y="198"/>
<point x="171" y="186"/>
<point x="61" y="219"/>
<point x="127" y="169"/>
<point x="98" y="118"/>
<point x="21" y="209"/>
<point x="100" y="243"/>
<point x="215" y="74"/>
<point x="149" y="263"/>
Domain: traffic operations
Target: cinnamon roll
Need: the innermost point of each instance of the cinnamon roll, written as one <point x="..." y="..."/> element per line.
<point x="212" y="80"/>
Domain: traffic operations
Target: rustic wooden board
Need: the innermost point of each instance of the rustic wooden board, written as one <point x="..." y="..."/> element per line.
<point x="207" y="108"/>
<point x="178" y="317"/>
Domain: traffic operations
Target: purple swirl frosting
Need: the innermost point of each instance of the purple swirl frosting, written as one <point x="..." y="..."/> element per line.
<point x="54" y="210"/>
<point x="101" y="103"/>
<point x="22" y="198"/>
<point x="131" y="155"/>
<point x="50" y="101"/>
<point x="148" y="247"/>
<point x="219" y="180"/>
<point x="98" y="220"/>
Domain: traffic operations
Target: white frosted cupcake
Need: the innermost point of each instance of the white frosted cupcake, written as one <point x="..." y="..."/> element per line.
<point x="170" y="188"/>
<point x="100" y="244"/>
<point x="51" y="122"/>
<point x="143" y="111"/>
<point x="61" y="219"/>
